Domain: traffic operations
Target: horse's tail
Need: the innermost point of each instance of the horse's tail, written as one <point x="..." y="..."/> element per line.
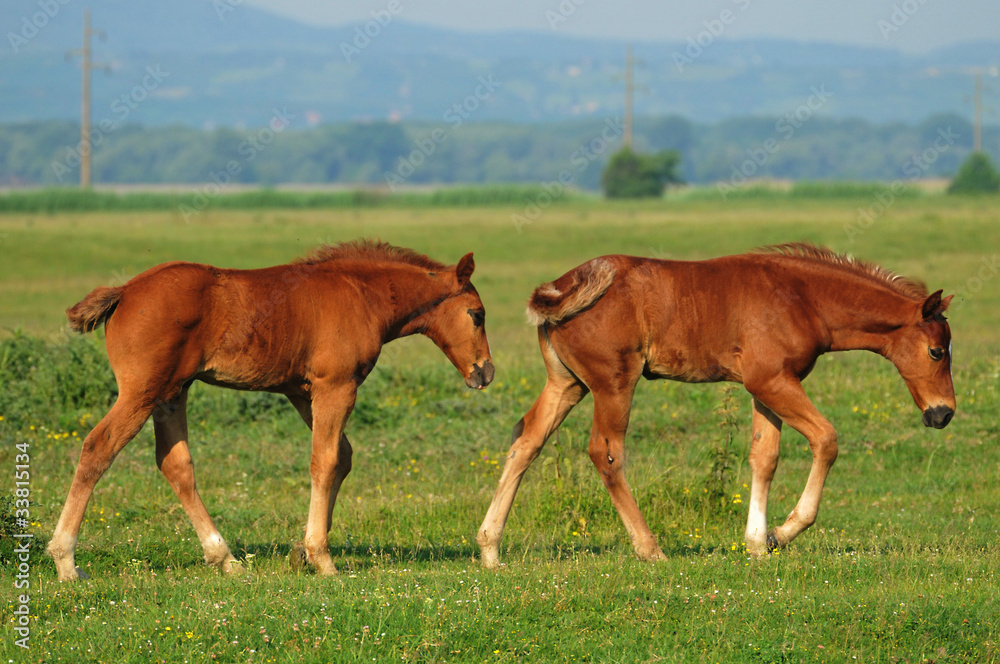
<point x="96" y="308"/>
<point x="589" y="282"/>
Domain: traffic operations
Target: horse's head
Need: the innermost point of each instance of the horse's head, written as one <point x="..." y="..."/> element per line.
<point x="457" y="325"/>
<point x="921" y="350"/>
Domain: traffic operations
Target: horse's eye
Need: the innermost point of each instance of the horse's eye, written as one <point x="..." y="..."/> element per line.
<point x="478" y="317"/>
<point x="937" y="354"/>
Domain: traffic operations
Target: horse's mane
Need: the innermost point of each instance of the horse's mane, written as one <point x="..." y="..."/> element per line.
<point x="808" y="251"/>
<point x="369" y="250"/>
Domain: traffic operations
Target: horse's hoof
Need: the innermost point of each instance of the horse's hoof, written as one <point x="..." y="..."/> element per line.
<point x="233" y="567"/>
<point x="772" y="543"/>
<point x="297" y="558"/>
<point x="656" y="556"/>
<point x="80" y="574"/>
<point x="489" y="558"/>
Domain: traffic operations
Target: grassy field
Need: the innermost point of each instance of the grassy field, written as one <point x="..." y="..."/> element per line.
<point x="900" y="567"/>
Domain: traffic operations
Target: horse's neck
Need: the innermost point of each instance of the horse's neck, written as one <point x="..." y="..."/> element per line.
<point x="411" y="293"/>
<point x="861" y="316"/>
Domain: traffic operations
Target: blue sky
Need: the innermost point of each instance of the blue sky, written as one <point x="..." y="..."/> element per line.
<point x="914" y="26"/>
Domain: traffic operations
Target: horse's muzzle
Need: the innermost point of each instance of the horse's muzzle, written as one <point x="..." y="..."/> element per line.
<point x="938" y="416"/>
<point x="481" y="375"/>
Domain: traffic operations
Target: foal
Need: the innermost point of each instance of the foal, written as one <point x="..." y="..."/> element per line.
<point x="312" y="331"/>
<point x="760" y="319"/>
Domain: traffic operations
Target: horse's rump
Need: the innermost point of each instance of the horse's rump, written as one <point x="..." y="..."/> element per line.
<point x="588" y="283"/>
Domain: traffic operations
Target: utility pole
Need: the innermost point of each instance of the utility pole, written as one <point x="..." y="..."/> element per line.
<point x="629" y="93"/>
<point x="977" y="123"/>
<point x="87" y="65"/>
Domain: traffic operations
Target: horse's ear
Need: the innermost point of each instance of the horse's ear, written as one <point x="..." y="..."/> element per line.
<point x="465" y="268"/>
<point x="935" y="305"/>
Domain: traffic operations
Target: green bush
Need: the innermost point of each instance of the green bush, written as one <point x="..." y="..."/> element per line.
<point x="52" y="383"/>
<point x="632" y="175"/>
<point x="976" y="176"/>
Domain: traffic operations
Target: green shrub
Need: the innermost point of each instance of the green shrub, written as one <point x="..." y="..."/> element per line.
<point x="976" y="176"/>
<point x="632" y="175"/>
<point x="53" y="382"/>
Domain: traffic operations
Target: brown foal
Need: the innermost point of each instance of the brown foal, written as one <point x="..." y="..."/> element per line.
<point x="311" y="330"/>
<point x="760" y="319"/>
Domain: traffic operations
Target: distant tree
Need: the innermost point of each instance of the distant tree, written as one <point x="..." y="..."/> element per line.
<point x="632" y="175"/>
<point x="976" y="176"/>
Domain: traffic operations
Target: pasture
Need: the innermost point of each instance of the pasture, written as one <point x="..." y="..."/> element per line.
<point x="901" y="565"/>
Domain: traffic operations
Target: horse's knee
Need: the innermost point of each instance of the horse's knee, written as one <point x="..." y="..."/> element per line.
<point x="763" y="464"/>
<point x="824" y="448"/>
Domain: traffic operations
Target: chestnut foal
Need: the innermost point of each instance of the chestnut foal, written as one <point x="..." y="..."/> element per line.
<point x="311" y="330"/>
<point x="760" y="319"/>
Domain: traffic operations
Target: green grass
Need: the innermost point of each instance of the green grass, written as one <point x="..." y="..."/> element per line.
<point x="901" y="565"/>
<point x="198" y="199"/>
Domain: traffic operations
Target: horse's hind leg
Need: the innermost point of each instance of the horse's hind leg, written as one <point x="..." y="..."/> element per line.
<point x="562" y="391"/>
<point x="174" y="460"/>
<point x="607" y="452"/>
<point x="100" y="448"/>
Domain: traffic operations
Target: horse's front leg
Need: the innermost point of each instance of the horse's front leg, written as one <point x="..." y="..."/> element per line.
<point x="330" y="463"/>
<point x="763" y="462"/>
<point x="784" y="396"/>
<point x="344" y="454"/>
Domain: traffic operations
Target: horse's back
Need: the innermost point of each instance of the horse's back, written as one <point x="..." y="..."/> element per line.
<point x="687" y="320"/>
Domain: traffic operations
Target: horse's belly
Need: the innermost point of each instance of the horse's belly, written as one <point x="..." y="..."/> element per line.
<point x="249" y="376"/>
<point x="690" y="368"/>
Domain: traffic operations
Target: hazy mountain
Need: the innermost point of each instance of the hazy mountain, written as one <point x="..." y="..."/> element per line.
<point x="224" y="63"/>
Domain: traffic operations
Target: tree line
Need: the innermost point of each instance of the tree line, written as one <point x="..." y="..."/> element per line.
<point x="414" y="154"/>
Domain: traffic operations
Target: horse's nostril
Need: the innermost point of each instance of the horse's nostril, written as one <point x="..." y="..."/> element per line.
<point x="938" y="416"/>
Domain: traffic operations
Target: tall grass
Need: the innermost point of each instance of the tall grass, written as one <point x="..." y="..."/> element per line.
<point x="53" y="200"/>
<point x="802" y="190"/>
